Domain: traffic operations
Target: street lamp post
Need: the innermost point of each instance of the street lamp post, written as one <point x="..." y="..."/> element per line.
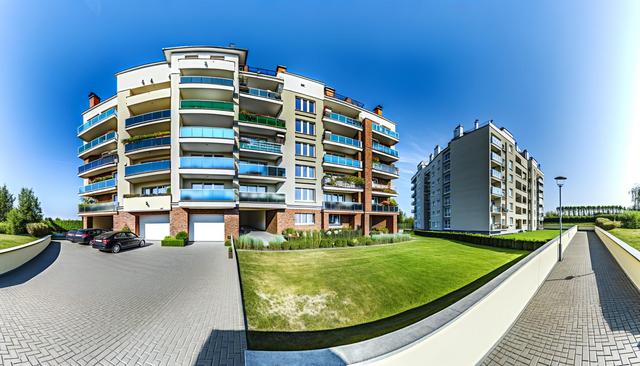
<point x="560" y="182"/>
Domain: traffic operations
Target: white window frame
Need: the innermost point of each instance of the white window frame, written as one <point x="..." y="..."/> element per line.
<point x="306" y="194"/>
<point x="306" y="127"/>
<point x="305" y="105"/>
<point x="305" y="218"/>
<point x="308" y="150"/>
<point x="305" y="171"/>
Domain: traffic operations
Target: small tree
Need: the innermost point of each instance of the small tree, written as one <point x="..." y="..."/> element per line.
<point x="6" y="202"/>
<point x="17" y="225"/>
<point x="29" y="206"/>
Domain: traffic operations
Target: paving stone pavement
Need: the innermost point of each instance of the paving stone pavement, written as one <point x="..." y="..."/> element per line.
<point x="154" y="305"/>
<point x="586" y="313"/>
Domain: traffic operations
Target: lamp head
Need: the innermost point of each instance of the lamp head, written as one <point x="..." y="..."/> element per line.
<point x="560" y="180"/>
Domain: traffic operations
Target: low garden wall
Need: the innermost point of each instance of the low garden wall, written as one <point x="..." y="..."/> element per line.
<point x="627" y="257"/>
<point x="461" y="334"/>
<point x="14" y="257"/>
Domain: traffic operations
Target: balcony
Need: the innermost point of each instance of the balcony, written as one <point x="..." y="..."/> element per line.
<point x="341" y="143"/>
<point x="149" y="122"/>
<point x="383" y="208"/>
<point x="496" y="174"/>
<point x="258" y="70"/>
<point x="495" y="191"/>
<point x="383" y="190"/>
<point x="341" y="124"/>
<point x="261" y="173"/>
<point x="159" y="145"/>
<point x="153" y="170"/>
<point x="207" y="167"/>
<point x="152" y="99"/>
<point x="98" y="166"/>
<point x="385" y="170"/>
<point x="190" y="109"/>
<point x="254" y="123"/>
<point x="99" y="125"/>
<point x="85" y="208"/>
<point x="342" y="206"/>
<point x="339" y="184"/>
<point x="341" y="163"/>
<point x="496" y="142"/>
<point x="206" y="88"/>
<point x="262" y="93"/>
<point x="206" y="80"/>
<point x="262" y="197"/>
<point x="99" y="145"/>
<point x="391" y="154"/>
<point x="213" y="195"/>
<point x="259" y="149"/>
<point x="260" y="101"/>
<point x="385" y="133"/>
<point x="99" y="187"/>
<point x="496" y="158"/>
<point x="346" y="99"/>
<point x="207" y="139"/>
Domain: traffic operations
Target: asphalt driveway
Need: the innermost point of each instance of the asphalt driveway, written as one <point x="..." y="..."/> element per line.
<point x="155" y="305"/>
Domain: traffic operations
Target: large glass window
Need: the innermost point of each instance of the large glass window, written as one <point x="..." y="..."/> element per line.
<point x="304" y="218"/>
<point x="305" y="194"/>
<point x="253" y="188"/>
<point x="155" y="190"/>
<point x="303" y="149"/>
<point x="207" y="185"/>
<point x="304" y="171"/>
<point x="305" y="105"/>
<point x="335" y="220"/>
<point x="333" y="197"/>
<point x="305" y="127"/>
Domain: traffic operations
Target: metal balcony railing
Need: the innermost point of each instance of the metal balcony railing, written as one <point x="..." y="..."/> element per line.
<point x="344" y="98"/>
<point x="110" y="159"/>
<point x="383" y="208"/>
<point x="98" y="141"/>
<point x="258" y="70"/>
<point x="97" y="119"/>
<point x="347" y="206"/>
<point x="148" y="117"/>
<point x="260" y="93"/>
<point x="343" y="119"/>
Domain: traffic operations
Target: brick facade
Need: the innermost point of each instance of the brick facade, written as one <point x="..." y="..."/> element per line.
<point x="123" y="218"/>
<point x="178" y="220"/>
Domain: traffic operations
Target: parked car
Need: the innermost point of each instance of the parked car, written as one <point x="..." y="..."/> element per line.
<point x="85" y="236"/>
<point x="71" y="234"/>
<point x="114" y="241"/>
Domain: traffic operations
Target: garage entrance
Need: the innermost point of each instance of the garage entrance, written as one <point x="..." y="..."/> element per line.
<point x="154" y="227"/>
<point x="206" y="227"/>
<point x="251" y="220"/>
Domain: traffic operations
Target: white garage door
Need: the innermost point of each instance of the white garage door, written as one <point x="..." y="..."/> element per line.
<point x="206" y="227"/>
<point x="154" y="227"/>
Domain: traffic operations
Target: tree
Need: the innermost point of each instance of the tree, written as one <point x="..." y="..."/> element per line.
<point x="6" y="202"/>
<point x="29" y="206"/>
<point x="635" y="197"/>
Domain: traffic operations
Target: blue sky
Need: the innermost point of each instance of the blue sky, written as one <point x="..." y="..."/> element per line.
<point x="562" y="76"/>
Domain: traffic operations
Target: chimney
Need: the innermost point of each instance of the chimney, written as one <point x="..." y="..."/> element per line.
<point x="329" y="92"/>
<point x="281" y="68"/>
<point x="458" y="132"/>
<point x="476" y="124"/>
<point x="378" y="110"/>
<point x="94" y="99"/>
<point x="430" y="157"/>
<point x="436" y="150"/>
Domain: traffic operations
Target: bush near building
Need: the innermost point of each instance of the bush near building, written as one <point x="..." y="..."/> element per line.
<point x="606" y="224"/>
<point x="38" y="229"/>
<point x="516" y="241"/>
<point x="179" y="240"/>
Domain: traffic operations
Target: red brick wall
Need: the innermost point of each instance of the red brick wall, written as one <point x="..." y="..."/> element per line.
<point x="125" y="218"/>
<point x="178" y="220"/>
<point x="87" y="222"/>
<point x="382" y="221"/>
<point x="287" y="219"/>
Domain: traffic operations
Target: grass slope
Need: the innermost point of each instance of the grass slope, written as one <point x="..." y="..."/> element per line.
<point x="8" y="241"/>
<point x="534" y="235"/>
<point x="334" y="288"/>
<point x="629" y="236"/>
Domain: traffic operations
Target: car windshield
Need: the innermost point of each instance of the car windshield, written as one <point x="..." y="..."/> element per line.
<point x="104" y="235"/>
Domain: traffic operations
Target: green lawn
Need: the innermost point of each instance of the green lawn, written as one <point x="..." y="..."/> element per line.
<point x="319" y="290"/>
<point x="8" y="241"/>
<point x="629" y="236"/>
<point x="534" y="235"/>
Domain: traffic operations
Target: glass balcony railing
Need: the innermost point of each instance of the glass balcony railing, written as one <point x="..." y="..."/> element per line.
<point x="340" y="183"/>
<point x="201" y="162"/>
<point x="148" y="117"/>
<point x="385" y="149"/>
<point x="260" y="93"/>
<point x="496" y="174"/>
<point x="350" y="206"/>
<point x="343" y="140"/>
<point x="222" y="195"/>
<point x="261" y="146"/>
<point x="496" y="141"/>
<point x="97" y="119"/>
<point x="497" y="191"/>
<point x="339" y="160"/>
<point x="147" y="144"/>
<point x="109" y="183"/>
<point x="266" y="197"/>
<point x="497" y="158"/>
<point x="343" y="119"/>
<point x="207" y="104"/>
<point x="98" y="141"/>
<point x="151" y="166"/>
<point x="98" y="207"/>
<point x="386" y="168"/>
<point x="261" y="170"/>
<point x="206" y="80"/>
<point x="111" y="159"/>
<point x="258" y="70"/>
<point x="261" y="120"/>
<point x="383" y="208"/>
<point x="207" y="132"/>
<point x="385" y="131"/>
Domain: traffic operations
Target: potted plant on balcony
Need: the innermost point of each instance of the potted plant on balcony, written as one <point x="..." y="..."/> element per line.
<point x="392" y="202"/>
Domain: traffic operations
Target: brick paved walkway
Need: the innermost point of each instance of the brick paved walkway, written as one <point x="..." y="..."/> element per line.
<point x="147" y="306"/>
<point x="591" y="318"/>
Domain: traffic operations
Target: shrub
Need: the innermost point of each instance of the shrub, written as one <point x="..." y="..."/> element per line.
<point x="4" y="227"/>
<point x="15" y="222"/>
<point x="607" y="224"/>
<point x="275" y="245"/>
<point x="227" y="243"/>
<point x="63" y="225"/>
<point x="339" y="243"/>
<point x="326" y="243"/>
<point x="247" y="242"/>
<point x="170" y="241"/>
<point x="38" y="229"/>
<point x="182" y="235"/>
<point x="481" y="239"/>
<point x="289" y="232"/>
<point x="630" y="219"/>
<point x="126" y="229"/>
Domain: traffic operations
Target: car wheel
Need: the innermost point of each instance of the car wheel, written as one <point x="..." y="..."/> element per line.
<point x="142" y="243"/>
<point x="116" y="248"/>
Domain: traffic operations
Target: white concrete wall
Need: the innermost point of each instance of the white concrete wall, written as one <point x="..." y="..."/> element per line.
<point x="12" y="258"/>
<point x="627" y="257"/>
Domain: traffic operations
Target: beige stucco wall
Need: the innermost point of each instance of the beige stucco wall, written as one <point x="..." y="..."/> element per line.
<point x="12" y="258"/>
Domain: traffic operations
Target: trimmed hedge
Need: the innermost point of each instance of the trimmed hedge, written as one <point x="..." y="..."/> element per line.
<point x="63" y="225"/>
<point x="576" y="219"/>
<point x="486" y="240"/>
<point x="170" y="241"/>
<point x="630" y="219"/>
<point x="316" y="240"/>
<point x="607" y="224"/>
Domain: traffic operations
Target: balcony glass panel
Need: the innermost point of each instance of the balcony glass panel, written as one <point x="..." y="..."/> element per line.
<point x="337" y="182"/>
<point x="258" y="70"/>
<point x="497" y="158"/>
<point x="97" y="163"/>
<point x="261" y="146"/>
<point x="148" y="117"/>
<point x="109" y="183"/>
<point x="385" y="168"/>
<point x="148" y="143"/>
<point x="98" y="141"/>
<point x="205" y="80"/>
<point x="497" y="191"/>
<point x="97" y="119"/>
<point x="207" y="132"/>
<point x="200" y="162"/>
<point x="343" y="140"/>
<point x="384" y="208"/>
<point x="260" y="93"/>
<point x="207" y="104"/>
<point x="339" y="160"/>
<point x="496" y="174"/>
<point x="261" y="120"/>
<point x="269" y="197"/>
<point x="98" y="207"/>
<point x="385" y="149"/>
<point x="351" y="206"/>
<point x="496" y="141"/>
<point x="262" y="170"/>
<point x="343" y="119"/>
<point x="385" y="131"/>
<point x="224" y="195"/>
<point x="147" y="167"/>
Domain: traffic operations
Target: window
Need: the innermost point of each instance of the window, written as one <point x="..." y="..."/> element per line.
<point x="304" y="171"/>
<point x="335" y="220"/>
<point x="253" y="188"/>
<point x="305" y="194"/>
<point x="510" y="164"/>
<point x="510" y="192"/>
<point x="303" y="149"/>
<point x="155" y="190"/>
<point x="511" y="221"/>
<point x="333" y="197"/>
<point x="304" y="218"/>
<point x="306" y="127"/>
<point x="305" y="105"/>
<point x="511" y="178"/>
<point x="511" y="206"/>
<point x="510" y="148"/>
<point x="207" y="185"/>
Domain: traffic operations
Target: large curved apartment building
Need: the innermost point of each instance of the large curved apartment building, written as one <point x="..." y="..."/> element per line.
<point x="201" y="142"/>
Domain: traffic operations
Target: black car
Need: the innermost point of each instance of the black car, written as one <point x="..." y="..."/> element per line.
<point x="114" y="241"/>
<point x="85" y="236"/>
<point x="71" y="235"/>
